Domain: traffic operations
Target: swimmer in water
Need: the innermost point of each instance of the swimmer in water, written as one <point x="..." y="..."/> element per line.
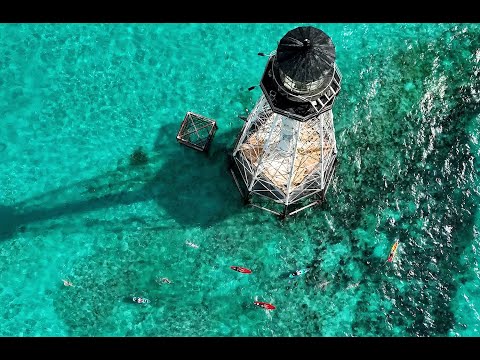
<point x="322" y="285"/>
<point x="191" y="244"/>
<point x="163" y="280"/>
<point x="67" y="283"/>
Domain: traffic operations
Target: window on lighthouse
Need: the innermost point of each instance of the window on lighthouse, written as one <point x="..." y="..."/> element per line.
<point x="299" y="87"/>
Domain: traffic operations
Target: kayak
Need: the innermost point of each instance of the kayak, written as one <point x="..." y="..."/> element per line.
<point x="241" y="269"/>
<point x="299" y="272"/>
<point x="264" y="305"/>
<point x="140" y="300"/>
<point x="393" y="251"/>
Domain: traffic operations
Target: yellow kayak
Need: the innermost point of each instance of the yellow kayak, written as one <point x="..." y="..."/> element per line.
<point x="393" y="251"/>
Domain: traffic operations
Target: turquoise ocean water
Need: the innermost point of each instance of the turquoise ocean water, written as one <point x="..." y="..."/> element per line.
<point x="77" y="100"/>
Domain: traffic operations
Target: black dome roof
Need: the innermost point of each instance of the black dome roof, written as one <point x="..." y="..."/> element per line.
<point x="306" y="54"/>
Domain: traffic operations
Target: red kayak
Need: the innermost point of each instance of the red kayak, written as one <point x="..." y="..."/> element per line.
<point x="264" y="305"/>
<point x="241" y="269"/>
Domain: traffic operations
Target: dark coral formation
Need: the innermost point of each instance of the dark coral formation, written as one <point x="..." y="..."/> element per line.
<point x="139" y="157"/>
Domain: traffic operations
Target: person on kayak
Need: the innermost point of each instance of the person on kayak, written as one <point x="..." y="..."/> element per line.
<point x="264" y="305"/>
<point x="393" y="251"/>
<point x="241" y="269"/>
<point x="392" y="254"/>
<point x="299" y="272"/>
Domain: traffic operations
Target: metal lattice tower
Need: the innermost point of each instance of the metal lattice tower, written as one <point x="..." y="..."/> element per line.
<point x="286" y="150"/>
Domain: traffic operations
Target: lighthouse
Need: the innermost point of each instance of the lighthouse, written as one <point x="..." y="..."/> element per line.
<point x="284" y="156"/>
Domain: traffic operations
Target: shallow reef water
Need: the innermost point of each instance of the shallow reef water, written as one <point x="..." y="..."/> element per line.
<point x="95" y="189"/>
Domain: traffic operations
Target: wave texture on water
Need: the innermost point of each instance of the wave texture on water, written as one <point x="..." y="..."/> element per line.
<point x="78" y="100"/>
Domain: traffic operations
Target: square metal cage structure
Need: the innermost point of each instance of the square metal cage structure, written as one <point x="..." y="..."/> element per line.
<point x="197" y="131"/>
